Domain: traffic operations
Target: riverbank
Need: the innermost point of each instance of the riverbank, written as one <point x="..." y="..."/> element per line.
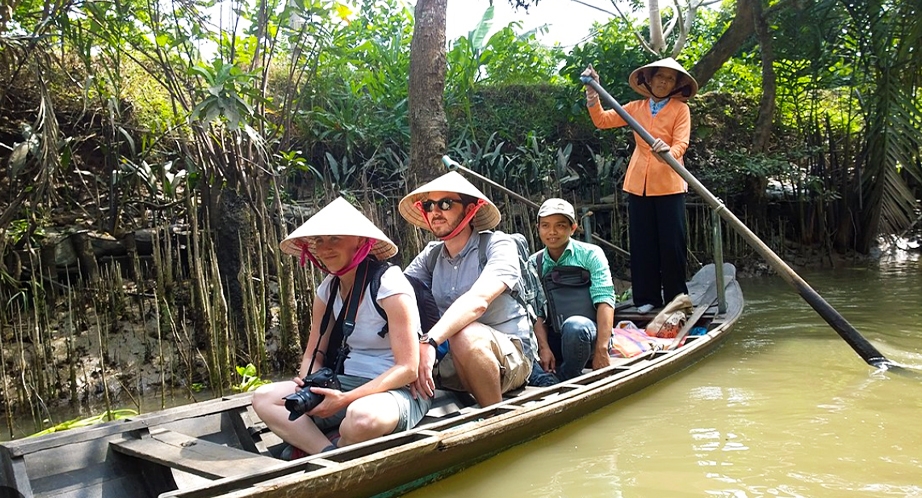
<point x="113" y="348"/>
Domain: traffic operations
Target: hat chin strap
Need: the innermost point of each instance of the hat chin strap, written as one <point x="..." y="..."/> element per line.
<point x="359" y="256"/>
<point x="669" y="95"/>
<point x="454" y="233"/>
<point x="642" y="79"/>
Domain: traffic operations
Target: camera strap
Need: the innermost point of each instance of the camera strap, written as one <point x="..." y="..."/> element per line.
<point x="328" y="311"/>
<point x="345" y="322"/>
<point x="325" y="324"/>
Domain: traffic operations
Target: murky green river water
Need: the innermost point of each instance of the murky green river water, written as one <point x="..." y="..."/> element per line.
<point x="784" y="409"/>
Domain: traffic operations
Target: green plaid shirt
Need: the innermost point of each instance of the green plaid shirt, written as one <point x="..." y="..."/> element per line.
<point x="585" y="255"/>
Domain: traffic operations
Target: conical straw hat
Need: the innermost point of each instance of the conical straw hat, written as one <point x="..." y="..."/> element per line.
<point x="339" y="218"/>
<point x="686" y="85"/>
<point x="486" y="218"/>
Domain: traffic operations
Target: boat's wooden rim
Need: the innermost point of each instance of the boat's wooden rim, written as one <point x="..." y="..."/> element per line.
<point x="191" y="438"/>
<point x="25" y="446"/>
<point x="459" y="429"/>
<point x="482" y="422"/>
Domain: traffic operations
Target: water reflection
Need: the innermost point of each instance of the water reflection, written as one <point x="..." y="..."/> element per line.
<point x="784" y="409"/>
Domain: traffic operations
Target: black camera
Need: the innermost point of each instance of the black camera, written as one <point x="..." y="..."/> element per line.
<point x="304" y="400"/>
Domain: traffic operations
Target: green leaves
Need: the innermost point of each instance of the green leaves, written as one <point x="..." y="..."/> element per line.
<point x="292" y="162"/>
<point x="478" y="36"/>
<point x="341" y="171"/>
<point x="504" y="58"/>
<point x="223" y="84"/>
<point x="107" y="416"/>
<point x="613" y="53"/>
<point x="501" y="59"/>
<point x="887" y="34"/>
<point x="249" y="379"/>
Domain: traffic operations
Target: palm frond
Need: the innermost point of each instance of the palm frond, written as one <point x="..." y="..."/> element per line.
<point x="890" y="33"/>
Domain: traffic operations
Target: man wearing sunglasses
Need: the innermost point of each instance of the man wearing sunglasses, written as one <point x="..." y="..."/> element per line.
<point x="492" y="345"/>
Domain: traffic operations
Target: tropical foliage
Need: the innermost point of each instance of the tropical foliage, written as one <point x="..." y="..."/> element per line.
<point x="220" y="127"/>
<point x="107" y="416"/>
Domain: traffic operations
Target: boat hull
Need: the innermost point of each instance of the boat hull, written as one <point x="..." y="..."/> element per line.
<point x="214" y="448"/>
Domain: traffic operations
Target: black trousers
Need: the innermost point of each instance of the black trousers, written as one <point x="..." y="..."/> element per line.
<point x="658" y="254"/>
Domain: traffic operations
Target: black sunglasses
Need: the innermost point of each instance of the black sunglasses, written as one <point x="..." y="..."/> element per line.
<point x="443" y="204"/>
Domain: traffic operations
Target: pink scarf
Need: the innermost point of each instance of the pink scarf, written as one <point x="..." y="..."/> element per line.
<point x="359" y="256"/>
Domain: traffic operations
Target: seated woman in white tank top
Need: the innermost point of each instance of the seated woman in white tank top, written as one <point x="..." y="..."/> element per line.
<point x="373" y="398"/>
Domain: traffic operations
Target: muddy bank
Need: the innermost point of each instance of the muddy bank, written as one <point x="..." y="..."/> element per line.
<point x="113" y="345"/>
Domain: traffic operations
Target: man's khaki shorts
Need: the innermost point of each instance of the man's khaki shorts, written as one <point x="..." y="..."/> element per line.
<point x="514" y="369"/>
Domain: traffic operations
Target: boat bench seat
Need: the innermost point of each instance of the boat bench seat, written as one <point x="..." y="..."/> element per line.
<point x="193" y="455"/>
<point x="447" y="403"/>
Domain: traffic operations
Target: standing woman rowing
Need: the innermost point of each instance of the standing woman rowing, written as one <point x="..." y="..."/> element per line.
<point x="656" y="193"/>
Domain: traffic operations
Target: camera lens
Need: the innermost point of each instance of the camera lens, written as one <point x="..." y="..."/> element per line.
<point x="300" y="402"/>
<point x="303" y="400"/>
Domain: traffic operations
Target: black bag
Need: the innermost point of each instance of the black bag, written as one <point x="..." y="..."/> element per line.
<point x="429" y="312"/>
<point x="567" y="292"/>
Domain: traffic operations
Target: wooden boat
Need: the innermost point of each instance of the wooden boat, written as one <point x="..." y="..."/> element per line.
<point x="220" y="448"/>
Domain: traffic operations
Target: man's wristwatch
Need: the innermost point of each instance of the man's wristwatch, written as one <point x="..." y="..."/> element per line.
<point x="425" y="339"/>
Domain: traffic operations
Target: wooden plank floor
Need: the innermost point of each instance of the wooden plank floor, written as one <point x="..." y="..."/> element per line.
<point x="193" y="455"/>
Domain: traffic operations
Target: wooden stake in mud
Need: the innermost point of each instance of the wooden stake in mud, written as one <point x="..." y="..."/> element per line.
<point x="845" y="330"/>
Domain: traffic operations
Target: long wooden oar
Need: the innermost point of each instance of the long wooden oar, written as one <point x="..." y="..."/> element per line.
<point x="854" y="339"/>
<point x="453" y="165"/>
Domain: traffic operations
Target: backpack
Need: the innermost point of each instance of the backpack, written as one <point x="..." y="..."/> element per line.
<point x="429" y="312"/>
<point x="567" y="289"/>
<point x="526" y="290"/>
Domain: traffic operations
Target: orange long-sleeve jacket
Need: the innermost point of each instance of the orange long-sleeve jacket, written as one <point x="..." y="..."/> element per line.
<point x="646" y="174"/>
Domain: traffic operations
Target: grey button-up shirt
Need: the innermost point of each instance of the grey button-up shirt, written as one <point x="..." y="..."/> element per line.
<point x="453" y="276"/>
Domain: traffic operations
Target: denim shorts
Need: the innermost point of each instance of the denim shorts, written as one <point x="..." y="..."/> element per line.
<point x="411" y="410"/>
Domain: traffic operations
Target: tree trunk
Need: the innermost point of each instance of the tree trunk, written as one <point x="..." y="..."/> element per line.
<point x="233" y="235"/>
<point x="763" y="127"/>
<point x="755" y="186"/>
<point x="88" y="265"/>
<point x="657" y="42"/>
<point x="428" y="125"/>
<point x="871" y="185"/>
<point x="844" y="238"/>
<point x="740" y="29"/>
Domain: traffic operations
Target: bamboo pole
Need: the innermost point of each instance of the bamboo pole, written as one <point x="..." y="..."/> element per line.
<point x="859" y="344"/>
<point x="453" y="165"/>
